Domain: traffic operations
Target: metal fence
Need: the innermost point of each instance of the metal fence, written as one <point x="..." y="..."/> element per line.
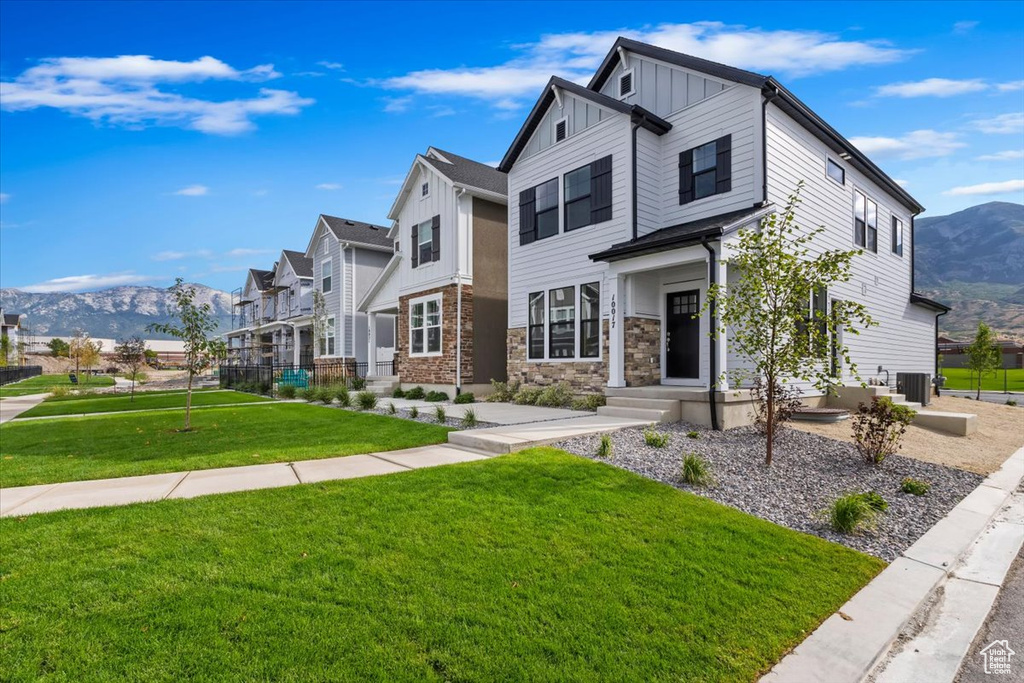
<point x="13" y="374"/>
<point x="302" y="376"/>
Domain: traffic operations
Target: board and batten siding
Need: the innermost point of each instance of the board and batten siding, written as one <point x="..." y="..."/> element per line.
<point x="416" y="210"/>
<point x="366" y="266"/>
<point x="563" y="259"/>
<point x="904" y="339"/>
<point x="581" y="114"/>
<point x="332" y="299"/>
<point x="660" y="87"/>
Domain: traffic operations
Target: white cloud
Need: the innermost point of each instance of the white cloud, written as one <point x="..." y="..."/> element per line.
<point x="1003" y="187"/>
<point x="900" y="181"/>
<point x="931" y="87"/>
<point x="334" y="66"/>
<point x="576" y="55"/>
<point x="1010" y="86"/>
<point x="170" y="255"/>
<point x="962" y="27"/>
<point x="328" y="186"/>
<point x="126" y="91"/>
<point x="918" y="144"/>
<point x="81" y="283"/>
<point x="260" y="193"/>
<point x="1008" y="155"/>
<point x="1004" y="123"/>
<point x="4" y="197"/>
<point x="397" y="105"/>
<point x="193" y="191"/>
<point x="236" y="253"/>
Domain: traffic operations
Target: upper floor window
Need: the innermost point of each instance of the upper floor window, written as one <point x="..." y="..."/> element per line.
<point x="705" y="170"/>
<point x="897" y="236"/>
<point x="865" y="222"/>
<point x="626" y="83"/>
<point x="538" y="212"/>
<point x="425" y="190"/>
<point x="587" y="198"/>
<point x="326" y="275"/>
<point x="426" y="241"/>
<point x="835" y="171"/>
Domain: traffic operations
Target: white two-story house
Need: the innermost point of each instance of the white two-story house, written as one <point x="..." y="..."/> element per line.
<point x="446" y="283"/>
<point x="625" y="196"/>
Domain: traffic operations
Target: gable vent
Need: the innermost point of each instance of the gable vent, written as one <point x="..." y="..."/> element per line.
<point x="625" y="84"/>
<point x="560" y="130"/>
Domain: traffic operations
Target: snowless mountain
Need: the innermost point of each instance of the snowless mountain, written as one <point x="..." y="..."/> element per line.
<point x="110" y="313"/>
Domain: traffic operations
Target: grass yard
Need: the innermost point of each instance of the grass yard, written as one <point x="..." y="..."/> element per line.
<point x="537" y="566"/>
<point x="43" y="383"/>
<point x="124" y="402"/>
<point x="962" y="378"/>
<point x="46" y="451"/>
<point x="124" y="392"/>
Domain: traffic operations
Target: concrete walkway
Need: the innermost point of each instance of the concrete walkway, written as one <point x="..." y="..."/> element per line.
<point x="14" y="406"/>
<point x="493" y="413"/>
<point x="27" y="500"/>
<point x="1004" y="622"/>
<point x="510" y="438"/>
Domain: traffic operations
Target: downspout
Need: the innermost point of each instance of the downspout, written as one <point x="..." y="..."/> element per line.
<point x="458" y="299"/>
<point x="636" y="125"/>
<point x="767" y="97"/>
<point x="712" y="347"/>
<point x="938" y="392"/>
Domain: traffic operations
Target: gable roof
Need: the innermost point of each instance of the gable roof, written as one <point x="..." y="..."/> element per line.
<point x="12" y="319"/>
<point x="263" y="279"/>
<point x="469" y="173"/>
<point x="301" y="265"/>
<point x="645" y="118"/>
<point x="357" y="232"/>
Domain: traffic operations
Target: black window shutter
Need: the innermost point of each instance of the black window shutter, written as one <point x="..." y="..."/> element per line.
<point x="686" y="177"/>
<point x="527" y="216"/>
<point x="723" y="164"/>
<point x="435" y="238"/>
<point x="601" y="190"/>
<point x="415" y="251"/>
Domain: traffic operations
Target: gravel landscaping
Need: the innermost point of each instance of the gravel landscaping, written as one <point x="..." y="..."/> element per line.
<point x="808" y="472"/>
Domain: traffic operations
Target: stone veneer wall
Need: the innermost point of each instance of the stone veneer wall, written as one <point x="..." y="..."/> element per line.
<point x="642" y="365"/>
<point x="580" y="375"/>
<point x="437" y="369"/>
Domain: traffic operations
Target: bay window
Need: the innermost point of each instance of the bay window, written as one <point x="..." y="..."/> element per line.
<point x="563" y="326"/>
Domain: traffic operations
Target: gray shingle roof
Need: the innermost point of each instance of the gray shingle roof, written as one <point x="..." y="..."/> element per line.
<point x="302" y="266"/>
<point x="12" y="319"/>
<point x="348" y="230"/>
<point x="263" y="278"/>
<point x="463" y="171"/>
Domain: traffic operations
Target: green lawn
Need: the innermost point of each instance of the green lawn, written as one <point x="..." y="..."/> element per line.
<point x="125" y="392"/>
<point x="45" y="451"/>
<point x="537" y="566"/>
<point x="43" y="383"/>
<point x="124" y="402"/>
<point x="961" y="378"/>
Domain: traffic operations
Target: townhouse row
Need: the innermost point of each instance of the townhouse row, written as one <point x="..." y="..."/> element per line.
<point x="585" y="255"/>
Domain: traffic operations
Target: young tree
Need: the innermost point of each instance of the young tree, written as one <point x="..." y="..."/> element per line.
<point x="130" y="354"/>
<point x="152" y="358"/>
<point x="84" y="352"/>
<point x="5" y="350"/>
<point x="770" y="312"/>
<point x="319" y="321"/>
<point x="196" y="322"/>
<point x="983" y="354"/>
<point x="58" y="347"/>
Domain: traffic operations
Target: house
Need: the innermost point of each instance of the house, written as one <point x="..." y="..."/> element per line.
<point x="10" y="327"/>
<point x="347" y="257"/>
<point x="446" y="282"/>
<point x="250" y="341"/>
<point x="626" y="194"/>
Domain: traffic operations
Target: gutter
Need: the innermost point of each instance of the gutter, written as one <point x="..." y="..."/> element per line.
<point x="938" y="391"/>
<point x="712" y="348"/>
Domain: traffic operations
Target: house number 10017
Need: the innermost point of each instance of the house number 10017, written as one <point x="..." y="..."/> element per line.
<point x="613" y="311"/>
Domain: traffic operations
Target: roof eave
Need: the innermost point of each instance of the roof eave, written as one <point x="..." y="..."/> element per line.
<point x="924" y="301"/>
<point x="633" y="250"/>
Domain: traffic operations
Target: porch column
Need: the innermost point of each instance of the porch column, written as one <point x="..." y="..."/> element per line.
<point x="371" y="355"/>
<point x="616" y="331"/>
<point x="296" y="347"/>
<point x="721" y="342"/>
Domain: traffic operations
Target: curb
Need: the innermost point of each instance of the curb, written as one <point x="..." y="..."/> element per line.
<point x="847" y="649"/>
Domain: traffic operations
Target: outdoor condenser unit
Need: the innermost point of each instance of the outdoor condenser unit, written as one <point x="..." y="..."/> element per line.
<point x="917" y="386"/>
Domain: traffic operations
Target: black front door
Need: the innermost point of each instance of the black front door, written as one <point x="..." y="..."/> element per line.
<point x="682" y="335"/>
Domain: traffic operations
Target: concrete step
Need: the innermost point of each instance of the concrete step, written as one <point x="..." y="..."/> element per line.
<point x="909" y="404"/>
<point x="658" y="391"/>
<point x="652" y="403"/>
<point x="960" y="424"/>
<point x="651" y="414"/>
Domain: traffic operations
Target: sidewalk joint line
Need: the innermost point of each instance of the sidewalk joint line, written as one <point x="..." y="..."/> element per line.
<point x="175" y="487"/>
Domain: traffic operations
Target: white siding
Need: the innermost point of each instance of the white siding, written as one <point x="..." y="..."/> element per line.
<point x="564" y="258"/>
<point x="650" y="173"/>
<point x="416" y="210"/>
<point x="662" y="88"/>
<point x="581" y="114"/>
<point x="904" y="339"/>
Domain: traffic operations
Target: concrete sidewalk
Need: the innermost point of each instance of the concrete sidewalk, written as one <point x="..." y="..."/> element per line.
<point x="510" y="438"/>
<point x="27" y="500"/>
<point x="14" y="406"/>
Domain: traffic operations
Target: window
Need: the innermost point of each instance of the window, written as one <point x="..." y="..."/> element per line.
<point x="626" y="83"/>
<point x="426" y="241"/>
<point x="859" y="220"/>
<point x="897" y="236"/>
<point x="535" y="330"/>
<point x="587" y="195"/>
<point x="424" y="246"/>
<point x="425" y="326"/>
<point x="425" y="190"/>
<point x="577" y="198"/>
<point x="561" y="129"/>
<point x="814" y="316"/>
<point x="705" y="170"/>
<point x="327" y="343"/>
<point x="835" y="171"/>
<point x="326" y="272"/>
<point x="562" y="322"/>
<point x="323" y="245"/>
<point x="590" y="320"/>
<point x="872" y="226"/>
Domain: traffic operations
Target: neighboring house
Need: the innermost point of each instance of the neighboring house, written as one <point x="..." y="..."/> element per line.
<point x="446" y="282"/>
<point x="625" y="195"/>
<point x="954" y="353"/>
<point x="10" y="327"/>
<point x="347" y="257"/>
<point x="250" y="341"/>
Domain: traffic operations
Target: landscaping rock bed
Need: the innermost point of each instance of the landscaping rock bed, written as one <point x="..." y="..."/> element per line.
<point x="808" y="472"/>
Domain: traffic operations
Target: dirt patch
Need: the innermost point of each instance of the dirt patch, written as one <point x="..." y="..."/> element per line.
<point x="1000" y="433"/>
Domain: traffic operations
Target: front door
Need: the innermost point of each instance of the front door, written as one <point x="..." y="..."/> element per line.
<point x="682" y="335"/>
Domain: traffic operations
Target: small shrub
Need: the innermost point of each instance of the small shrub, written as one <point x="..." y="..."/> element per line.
<point x="358" y="383"/>
<point x="398" y="393"/>
<point x="392" y="410"/>
<point x="850" y="513"/>
<point x="1011" y="401"/>
<point x="468" y="418"/>
<point x="414" y="412"/>
<point x="435" y="396"/>
<point x="655" y="439"/>
<point x="695" y="471"/>
<point x="554" y="396"/>
<point x="286" y="391"/>
<point x="367" y="400"/>
<point x="308" y="394"/>
<point x="342" y="394"/>
<point x="874" y="501"/>
<point x="915" y="487"/>
<point x="264" y="388"/>
<point x="325" y="395"/>
<point x="60" y="390"/>
<point x="879" y="427"/>
<point x="415" y="393"/>
<point x="503" y="392"/>
<point x="527" y="396"/>
<point x="692" y="434"/>
<point x="604" y="449"/>
<point x="589" y="402"/>
<point x="465" y="397"/>
<point x="440" y="415"/>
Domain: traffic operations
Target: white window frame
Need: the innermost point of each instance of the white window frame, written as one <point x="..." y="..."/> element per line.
<point x="324" y="248"/>
<point x="830" y="160"/>
<point x="897" y="231"/>
<point x="425" y="183"/>
<point x="330" y="340"/>
<point x="554" y="130"/>
<point x="632" y="84"/>
<point x="330" y="263"/>
<point x="545" y="290"/>
<point x="424" y="228"/>
<point x="439" y="298"/>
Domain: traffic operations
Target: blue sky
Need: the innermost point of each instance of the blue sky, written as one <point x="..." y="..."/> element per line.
<point x="144" y="141"/>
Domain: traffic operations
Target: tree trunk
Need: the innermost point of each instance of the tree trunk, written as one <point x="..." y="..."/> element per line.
<point x="133" y="388"/>
<point x="769" y="425"/>
<point x="188" y="404"/>
<point x="978" y="397"/>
